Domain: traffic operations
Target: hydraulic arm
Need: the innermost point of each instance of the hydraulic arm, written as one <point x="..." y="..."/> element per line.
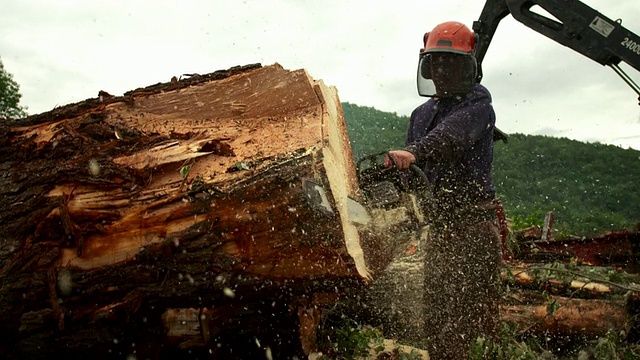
<point x="573" y="24"/>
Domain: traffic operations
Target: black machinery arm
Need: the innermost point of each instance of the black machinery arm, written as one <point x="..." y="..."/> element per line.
<point x="574" y="25"/>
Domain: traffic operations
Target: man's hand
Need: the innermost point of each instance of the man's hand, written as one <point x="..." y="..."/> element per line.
<point x="402" y="158"/>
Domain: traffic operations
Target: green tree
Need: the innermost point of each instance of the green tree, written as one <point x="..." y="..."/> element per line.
<point x="10" y="96"/>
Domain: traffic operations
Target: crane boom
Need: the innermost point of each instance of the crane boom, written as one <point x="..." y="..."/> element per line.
<point x="573" y="24"/>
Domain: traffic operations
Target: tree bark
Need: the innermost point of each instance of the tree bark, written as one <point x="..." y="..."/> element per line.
<point x="187" y="194"/>
<point x="562" y="317"/>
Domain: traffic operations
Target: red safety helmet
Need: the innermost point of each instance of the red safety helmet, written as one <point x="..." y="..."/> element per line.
<point x="454" y="38"/>
<point x="450" y="36"/>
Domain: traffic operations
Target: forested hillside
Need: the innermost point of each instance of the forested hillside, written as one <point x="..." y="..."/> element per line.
<point x="372" y="131"/>
<point x="592" y="188"/>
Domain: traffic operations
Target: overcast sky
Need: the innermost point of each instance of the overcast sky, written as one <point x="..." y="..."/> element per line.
<point x="61" y="52"/>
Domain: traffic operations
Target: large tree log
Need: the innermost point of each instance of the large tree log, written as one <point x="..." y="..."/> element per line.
<point x="196" y="193"/>
<point x="562" y="317"/>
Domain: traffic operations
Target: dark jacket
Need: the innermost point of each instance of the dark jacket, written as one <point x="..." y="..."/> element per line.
<point x="452" y="140"/>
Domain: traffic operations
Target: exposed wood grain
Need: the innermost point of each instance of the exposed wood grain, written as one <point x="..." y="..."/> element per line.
<point x="117" y="209"/>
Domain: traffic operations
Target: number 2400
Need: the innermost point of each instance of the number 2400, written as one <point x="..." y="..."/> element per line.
<point x="631" y="45"/>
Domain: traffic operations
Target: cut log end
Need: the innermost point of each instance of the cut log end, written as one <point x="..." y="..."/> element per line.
<point x="169" y="196"/>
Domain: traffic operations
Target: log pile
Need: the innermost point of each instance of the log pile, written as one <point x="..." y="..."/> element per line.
<point x="568" y="303"/>
<point x="210" y="213"/>
<point x="551" y="300"/>
<point x="574" y="287"/>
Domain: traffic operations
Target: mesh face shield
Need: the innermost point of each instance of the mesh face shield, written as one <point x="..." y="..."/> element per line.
<point x="445" y="74"/>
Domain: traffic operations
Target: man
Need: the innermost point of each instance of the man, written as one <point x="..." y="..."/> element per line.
<point x="450" y="137"/>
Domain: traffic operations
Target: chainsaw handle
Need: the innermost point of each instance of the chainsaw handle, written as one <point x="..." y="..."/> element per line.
<point x="373" y="159"/>
<point x="417" y="171"/>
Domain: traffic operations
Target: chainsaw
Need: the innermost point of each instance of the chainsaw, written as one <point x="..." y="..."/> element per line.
<point x="382" y="186"/>
<point x="388" y="188"/>
<point x="384" y="190"/>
